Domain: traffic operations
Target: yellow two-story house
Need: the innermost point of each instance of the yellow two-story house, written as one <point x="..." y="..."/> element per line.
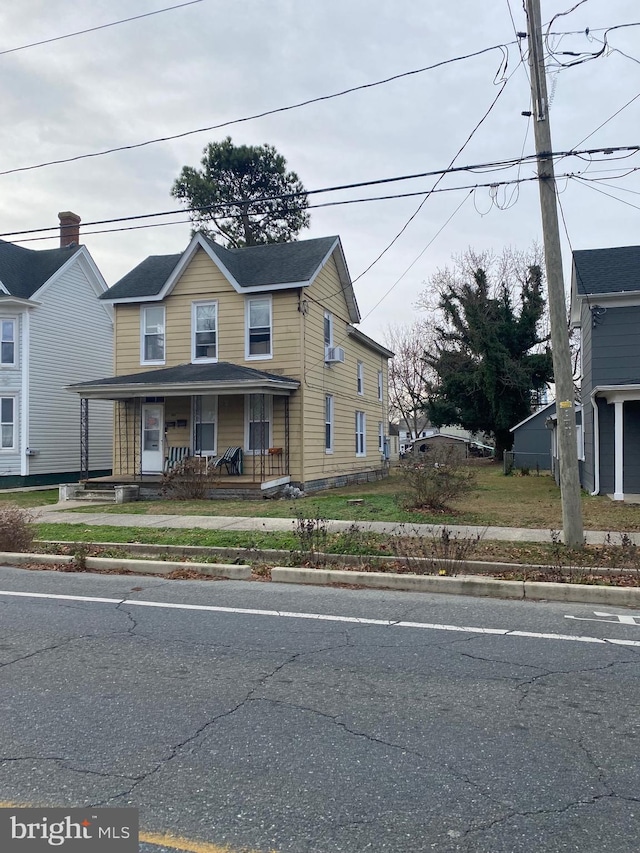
<point x="246" y="355"/>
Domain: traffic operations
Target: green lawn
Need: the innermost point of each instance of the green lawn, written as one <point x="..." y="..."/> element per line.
<point x="39" y="497"/>
<point x="514" y="501"/>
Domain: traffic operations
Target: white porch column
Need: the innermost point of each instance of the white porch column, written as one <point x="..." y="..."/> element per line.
<point x="618" y="491"/>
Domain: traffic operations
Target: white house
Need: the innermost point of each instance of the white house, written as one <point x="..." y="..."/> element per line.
<point x="53" y="331"/>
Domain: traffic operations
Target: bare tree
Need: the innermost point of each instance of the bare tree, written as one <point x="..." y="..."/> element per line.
<point x="408" y="373"/>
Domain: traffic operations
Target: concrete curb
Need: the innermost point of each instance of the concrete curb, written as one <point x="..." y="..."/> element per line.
<point x="142" y="567"/>
<point x="466" y="585"/>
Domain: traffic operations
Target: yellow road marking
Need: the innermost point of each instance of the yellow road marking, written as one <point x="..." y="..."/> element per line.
<point x="175" y="842"/>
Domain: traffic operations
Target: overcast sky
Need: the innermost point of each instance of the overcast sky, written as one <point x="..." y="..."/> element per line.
<point x="213" y="62"/>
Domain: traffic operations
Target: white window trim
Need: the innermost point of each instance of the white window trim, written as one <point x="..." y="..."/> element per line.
<point x="268" y="413"/>
<point x="143" y="310"/>
<point x="14" y="400"/>
<point x="328" y="421"/>
<point x="360" y="379"/>
<point x="327" y="344"/>
<point x="14" y="322"/>
<point x="213" y="452"/>
<point x="380" y="389"/>
<point x="194" y="314"/>
<point x="362" y="432"/>
<point x="265" y="356"/>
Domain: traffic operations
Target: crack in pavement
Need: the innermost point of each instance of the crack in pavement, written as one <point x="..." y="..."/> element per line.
<point x="528" y="684"/>
<point x="65" y="763"/>
<point x="372" y="739"/>
<point x="515" y="813"/>
<point x="176" y="749"/>
<point x="53" y="647"/>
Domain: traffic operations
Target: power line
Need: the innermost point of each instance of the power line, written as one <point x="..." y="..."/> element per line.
<point x="95" y="29"/>
<point x="424" y="200"/>
<point x="263" y="114"/>
<point x="500" y="164"/>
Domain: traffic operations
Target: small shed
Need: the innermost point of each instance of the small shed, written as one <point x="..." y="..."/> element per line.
<point x="532" y="440"/>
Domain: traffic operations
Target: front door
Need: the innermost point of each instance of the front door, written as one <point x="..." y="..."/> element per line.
<point x="152" y="438"/>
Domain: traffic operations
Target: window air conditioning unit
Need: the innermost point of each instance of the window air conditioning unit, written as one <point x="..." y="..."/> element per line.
<point x="333" y="354"/>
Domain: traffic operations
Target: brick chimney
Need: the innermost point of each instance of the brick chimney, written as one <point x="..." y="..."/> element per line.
<point x="69" y="229"/>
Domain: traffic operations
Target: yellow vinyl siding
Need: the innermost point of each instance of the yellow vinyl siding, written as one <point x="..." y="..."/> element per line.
<point x="339" y="380"/>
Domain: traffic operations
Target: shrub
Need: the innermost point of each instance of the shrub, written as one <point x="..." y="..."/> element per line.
<point x="15" y="531"/>
<point x="190" y="480"/>
<point x="442" y="553"/>
<point x="434" y="484"/>
<point x="311" y="536"/>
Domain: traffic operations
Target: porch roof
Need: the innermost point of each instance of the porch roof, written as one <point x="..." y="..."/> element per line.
<point x="221" y="377"/>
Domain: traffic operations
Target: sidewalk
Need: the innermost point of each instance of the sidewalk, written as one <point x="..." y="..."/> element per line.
<point x="54" y="514"/>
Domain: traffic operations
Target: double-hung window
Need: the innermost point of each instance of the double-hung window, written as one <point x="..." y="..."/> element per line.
<point x="8" y="343"/>
<point x="206" y="429"/>
<point x="328" y="423"/>
<point x="7" y="423"/>
<point x="380" y="436"/>
<point x="380" y="385"/>
<point x="204" y="325"/>
<point x="360" y="378"/>
<point x="328" y="331"/>
<point x="153" y="336"/>
<point x="258" y="342"/>
<point x="258" y="423"/>
<point x="361" y="430"/>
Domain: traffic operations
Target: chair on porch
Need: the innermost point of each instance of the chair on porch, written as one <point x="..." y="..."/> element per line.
<point x="175" y="456"/>
<point x="231" y="459"/>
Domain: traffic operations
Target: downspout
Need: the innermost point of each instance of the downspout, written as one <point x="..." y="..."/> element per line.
<point x="596" y="443"/>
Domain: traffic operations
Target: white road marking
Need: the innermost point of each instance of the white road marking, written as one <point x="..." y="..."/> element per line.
<point x="323" y="617"/>
<point x="617" y="618"/>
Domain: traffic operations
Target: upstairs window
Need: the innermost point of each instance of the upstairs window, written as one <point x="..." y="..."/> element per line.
<point x="360" y="378"/>
<point x="328" y="330"/>
<point x="258" y="334"/>
<point x="153" y="338"/>
<point x="8" y="342"/>
<point x="205" y="331"/>
<point x="380" y="385"/>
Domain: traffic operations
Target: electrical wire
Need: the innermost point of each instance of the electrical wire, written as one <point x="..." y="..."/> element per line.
<point x="52" y="231"/>
<point x="424" y="200"/>
<point x="95" y="29"/>
<point x="603" y="192"/>
<point x="262" y="114"/>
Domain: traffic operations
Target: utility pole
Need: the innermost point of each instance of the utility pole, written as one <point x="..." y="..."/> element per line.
<point x="565" y="408"/>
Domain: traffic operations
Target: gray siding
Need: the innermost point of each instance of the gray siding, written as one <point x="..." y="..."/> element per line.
<point x="615" y="347"/>
<point x="631" y="443"/>
<point x="607" y="461"/>
<point x="532" y="442"/>
<point x="586" y="337"/>
<point x="71" y="341"/>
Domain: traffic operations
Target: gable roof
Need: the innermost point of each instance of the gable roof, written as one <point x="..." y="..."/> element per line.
<point x="615" y="270"/>
<point x="273" y="266"/>
<point x="24" y="271"/>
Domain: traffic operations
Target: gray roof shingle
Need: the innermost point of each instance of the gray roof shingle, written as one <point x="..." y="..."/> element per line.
<point x="607" y="270"/>
<point x="24" y="271"/>
<point x="251" y="266"/>
<point x="183" y="374"/>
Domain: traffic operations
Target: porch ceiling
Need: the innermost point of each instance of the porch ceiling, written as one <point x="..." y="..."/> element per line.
<point x="221" y="377"/>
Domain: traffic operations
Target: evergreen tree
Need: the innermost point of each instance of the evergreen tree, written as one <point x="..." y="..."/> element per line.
<point x="488" y="356"/>
<point x="228" y="195"/>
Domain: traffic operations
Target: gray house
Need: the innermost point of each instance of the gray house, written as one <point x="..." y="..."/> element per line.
<point x="605" y="306"/>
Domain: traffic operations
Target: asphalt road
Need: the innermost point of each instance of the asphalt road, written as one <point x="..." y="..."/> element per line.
<point x="451" y="724"/>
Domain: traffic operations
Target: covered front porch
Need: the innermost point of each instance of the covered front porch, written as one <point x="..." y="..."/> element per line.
<point x="229" y="423"/>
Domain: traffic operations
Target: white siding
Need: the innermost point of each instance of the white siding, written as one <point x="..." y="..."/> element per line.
<point x="71" y="340"/>
<point x="11" y="386"/>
